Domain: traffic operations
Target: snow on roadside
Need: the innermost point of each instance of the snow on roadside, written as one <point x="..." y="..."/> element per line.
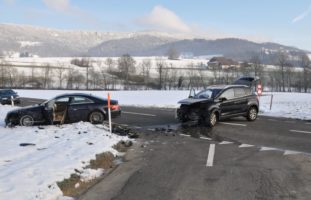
<point x="289" y="105"/>
<point x="31" y="172"/>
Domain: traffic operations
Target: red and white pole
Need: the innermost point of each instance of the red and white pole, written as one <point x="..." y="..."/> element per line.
<point x="109" y="113"/>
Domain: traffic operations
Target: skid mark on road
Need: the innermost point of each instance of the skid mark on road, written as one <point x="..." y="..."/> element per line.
<point x="232" y="124"/>
<point x="299" y="131"/>
<point x="210" y="157"/>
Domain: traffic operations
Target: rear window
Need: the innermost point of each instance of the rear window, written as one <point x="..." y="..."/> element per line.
<point x="81" y="100"/>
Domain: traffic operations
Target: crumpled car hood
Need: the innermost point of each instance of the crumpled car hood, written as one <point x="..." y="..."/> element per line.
<point x="190" y="101"/>
<point x="28" y="108"/>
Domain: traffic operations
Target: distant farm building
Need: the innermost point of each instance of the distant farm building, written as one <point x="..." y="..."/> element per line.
<point x="222" y="62"/>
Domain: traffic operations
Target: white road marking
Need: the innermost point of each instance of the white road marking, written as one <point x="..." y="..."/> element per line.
<point x="184" y="135"/>
<point x="137" y="127"/>
<point x="308" y="123"/>
<point x="289" y="152"/>
<point x="210" y="157"/>
<point x="245" y="145"/>
<point x="205" y="138"/>
<point x="269" y="149"/>
<point x="233" y="124"/>
<point x="226" y="142"/>
<point x="298" y="131"/>
<point x="142" y="114"/>
<point x="272" y="120"/>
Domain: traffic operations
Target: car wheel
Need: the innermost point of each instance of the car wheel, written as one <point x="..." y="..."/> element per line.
<point x="96" y="117"/>
<point x="252" y="114"/>
<point x="26" y="120"/>
<point x="211" y="119"/>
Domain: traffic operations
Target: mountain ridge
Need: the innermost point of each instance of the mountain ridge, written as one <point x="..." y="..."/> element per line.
<point x="49" y="42"/>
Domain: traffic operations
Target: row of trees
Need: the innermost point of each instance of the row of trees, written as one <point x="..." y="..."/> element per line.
<point x="125" y="73"/>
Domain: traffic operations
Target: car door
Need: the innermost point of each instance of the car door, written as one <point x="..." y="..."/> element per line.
<point x="240" y="100"/>
<point x="79" y="108"/>
<point x="227" y="106"/>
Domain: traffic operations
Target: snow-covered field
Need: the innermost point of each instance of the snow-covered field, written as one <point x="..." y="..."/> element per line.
<point x="290" y="105"/>
<point x="31" y="172"/>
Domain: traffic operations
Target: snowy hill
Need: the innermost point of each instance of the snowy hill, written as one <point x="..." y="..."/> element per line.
<point x="46" y="42"/>
<point x="57" y="43"/>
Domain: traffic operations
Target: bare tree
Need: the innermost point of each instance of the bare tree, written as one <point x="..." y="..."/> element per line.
<point x="160" y="67"/>
<point x="172" y="77"/>
<point x="60" y="71"/>
<point x="109" y="62"/>
<point x="173" y="54"/>
<point x="126" y="65"/>
<point x="46" y="76"/>
<point x="289" y="77"/>
<point x="145" y="70"/>
<point x="180" y="81"/>
<point x="282" y="62"/>
<point x="3" y="74"/>
<point x="306" y="66"/>
<point x="85" y="63"/>
<point x="256" y="65"/>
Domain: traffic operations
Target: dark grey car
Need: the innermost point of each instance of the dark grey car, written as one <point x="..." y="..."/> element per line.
<point x="219" y="102"/>
<point x="67" y="108"/>
<point x="7" y="95"/>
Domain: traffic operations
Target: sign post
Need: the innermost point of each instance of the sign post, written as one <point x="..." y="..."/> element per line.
<point x="12" y="100"/>
<point x="109" y="113"/>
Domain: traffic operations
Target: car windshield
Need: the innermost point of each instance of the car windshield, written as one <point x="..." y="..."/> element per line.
<point x="207" y="94"/>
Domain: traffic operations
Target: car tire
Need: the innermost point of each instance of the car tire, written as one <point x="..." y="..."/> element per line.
<point x="252" y="114"/>
<point x="211" y="119"/>
<point x="26" y="120"/>
<point x="96" y="117"/>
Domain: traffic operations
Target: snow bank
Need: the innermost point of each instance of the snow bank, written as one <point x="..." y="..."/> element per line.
<point x="31" y="172"/>
<point x="290" y="105"/>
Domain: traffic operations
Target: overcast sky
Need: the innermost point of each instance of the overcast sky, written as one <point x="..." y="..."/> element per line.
<point x="284" y="21"/>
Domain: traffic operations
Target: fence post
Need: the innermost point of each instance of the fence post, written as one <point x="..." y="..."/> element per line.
<point x="12" y="100"/>
<point x="271" y="101"/>
<point x="109" y="113"/>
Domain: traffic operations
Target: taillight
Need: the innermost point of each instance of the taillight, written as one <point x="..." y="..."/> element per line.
<point x="115" y="107"/>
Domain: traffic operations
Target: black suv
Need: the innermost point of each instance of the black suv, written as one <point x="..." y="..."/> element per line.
<point x="219" y="102"/>
<point x="6" y="96"/>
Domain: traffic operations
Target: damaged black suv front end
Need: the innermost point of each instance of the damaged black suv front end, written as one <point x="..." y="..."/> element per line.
<point x="194" y="107"/>
<point x="220" y="102"/>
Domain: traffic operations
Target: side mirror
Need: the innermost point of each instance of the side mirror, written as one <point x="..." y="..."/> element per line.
<point x="192" y="93"/>
<point x="222" y="99"/>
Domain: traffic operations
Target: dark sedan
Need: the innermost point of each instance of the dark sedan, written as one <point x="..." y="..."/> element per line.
<point x="7" y="95"/>
<point x="67" y="108"/>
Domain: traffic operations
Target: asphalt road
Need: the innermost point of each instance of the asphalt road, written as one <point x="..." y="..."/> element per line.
<point x="266" y="159"/>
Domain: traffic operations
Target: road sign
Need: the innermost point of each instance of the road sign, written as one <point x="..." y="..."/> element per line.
<point x="259" y="89"/>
